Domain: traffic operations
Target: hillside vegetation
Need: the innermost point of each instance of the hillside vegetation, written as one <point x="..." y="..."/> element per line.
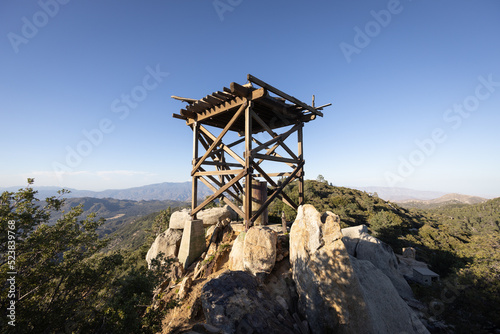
<point x="61" y="277"/>
<point x="463" y="244"/>
<point x="70" y="269"/>
<point x="387" y="221"/>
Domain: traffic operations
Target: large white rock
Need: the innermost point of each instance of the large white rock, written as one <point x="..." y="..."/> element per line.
<point x="329" y="292"/>
<point x="236" y="255"/>
<point x="389" y="312"/>
<point x="179" y="218"/>
<point x="254" y="251"/>
<point x="363" y="246"/>
<point x="167" y="243"/>
<point x="259" y="250"/>
<point x="339" y="293"/>
<point x="214" y="215"/>
<point x="210" y="217"/>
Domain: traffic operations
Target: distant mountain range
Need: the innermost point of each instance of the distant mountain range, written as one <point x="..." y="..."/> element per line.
<point x="445" y="200"/>
<point x="401" y="194"/>
<point x="181" y="191"/>
<point x="173" y="191"/>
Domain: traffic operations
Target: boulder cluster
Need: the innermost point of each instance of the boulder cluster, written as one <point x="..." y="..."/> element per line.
<point x="318" y="278"/>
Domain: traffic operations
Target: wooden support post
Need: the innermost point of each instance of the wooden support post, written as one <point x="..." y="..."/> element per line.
<point x="301" y="158"/>
<point x="194" y="189"/>
<point x="247" y="204"/>
<point x="259" y="197"/>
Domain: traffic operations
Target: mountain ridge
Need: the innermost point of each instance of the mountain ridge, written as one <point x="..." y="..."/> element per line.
<point x="448" y="199"/>
<point x="174" y="191"/>
<point x="181" y="191"/>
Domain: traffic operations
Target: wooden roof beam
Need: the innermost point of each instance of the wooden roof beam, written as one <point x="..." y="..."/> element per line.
<point x="228" y="105"/>
<point x="184" y="99"/>
<point x="174" y="115"/>
<point x="278" y="92"/>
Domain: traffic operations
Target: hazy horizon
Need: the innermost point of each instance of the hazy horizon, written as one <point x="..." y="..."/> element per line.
<point x="35" y="185"/>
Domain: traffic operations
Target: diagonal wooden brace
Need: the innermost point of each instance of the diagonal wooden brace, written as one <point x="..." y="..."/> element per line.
<point x="219" y="138"/>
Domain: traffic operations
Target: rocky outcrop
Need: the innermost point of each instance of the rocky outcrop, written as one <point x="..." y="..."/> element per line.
<point x="209" y="216"/>
<point x="363" y="246"/>
<point x="185" y="287"/>
<point x="259" y="250"/>
<point x="214" y="215"/>
<point x="167" y="243"/>
<point x="179" y="218"/>
<point x="329" y="292"/>
<point x="219" y="238"/>
<point x="254" y="251"/>
<point x="389" y="312"/>
<point x="351" y="236"/>
<point x="234" y="303"/>
<point x="236" y="255"/>
<point x="339" y="293"/>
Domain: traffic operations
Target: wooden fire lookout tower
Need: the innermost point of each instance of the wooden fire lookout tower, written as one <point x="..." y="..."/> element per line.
<point x="247" y="111"/>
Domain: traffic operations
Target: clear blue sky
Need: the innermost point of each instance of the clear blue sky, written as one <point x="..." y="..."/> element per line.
<point x="396" y="73"/>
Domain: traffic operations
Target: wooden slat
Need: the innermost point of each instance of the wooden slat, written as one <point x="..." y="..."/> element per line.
<point x="219" y="172"/>
<point x="300" y="140"/>
<point x="224" y="147"/>
<point x="307" y="118"/>
<point x="239" y="90"/>
<point x="222" y="95"/>
<point x="212" y="100"/>
<point x="189" y="114"/>
<point x="218" y="140"/>
<point x="225" y="199"/>
<point x="184" y="99"/>
<point x="222" y="108"/>
<point x="195" y="108"/>
<point x="278" y="92"/>
<point x="194" y="185"/>
<point x="282" y="144"/>
<point x="174" y="115"/>
<point x="218" y="193"/>
<point x="226" y="106"/>
<point x="275" y="158"/>
<point x="271" y="151"/>
<point x="219" y="184"/>
<point x="220" y="164"/>
<point x="277" y="192"/>
<point x="323" y="106"/>
<point x="284" y="196"/>
<point x="282" y="137"/>
<point x="247" y="204"/>
<point x="275" y="174"/>
<point x="202" y="104"/>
